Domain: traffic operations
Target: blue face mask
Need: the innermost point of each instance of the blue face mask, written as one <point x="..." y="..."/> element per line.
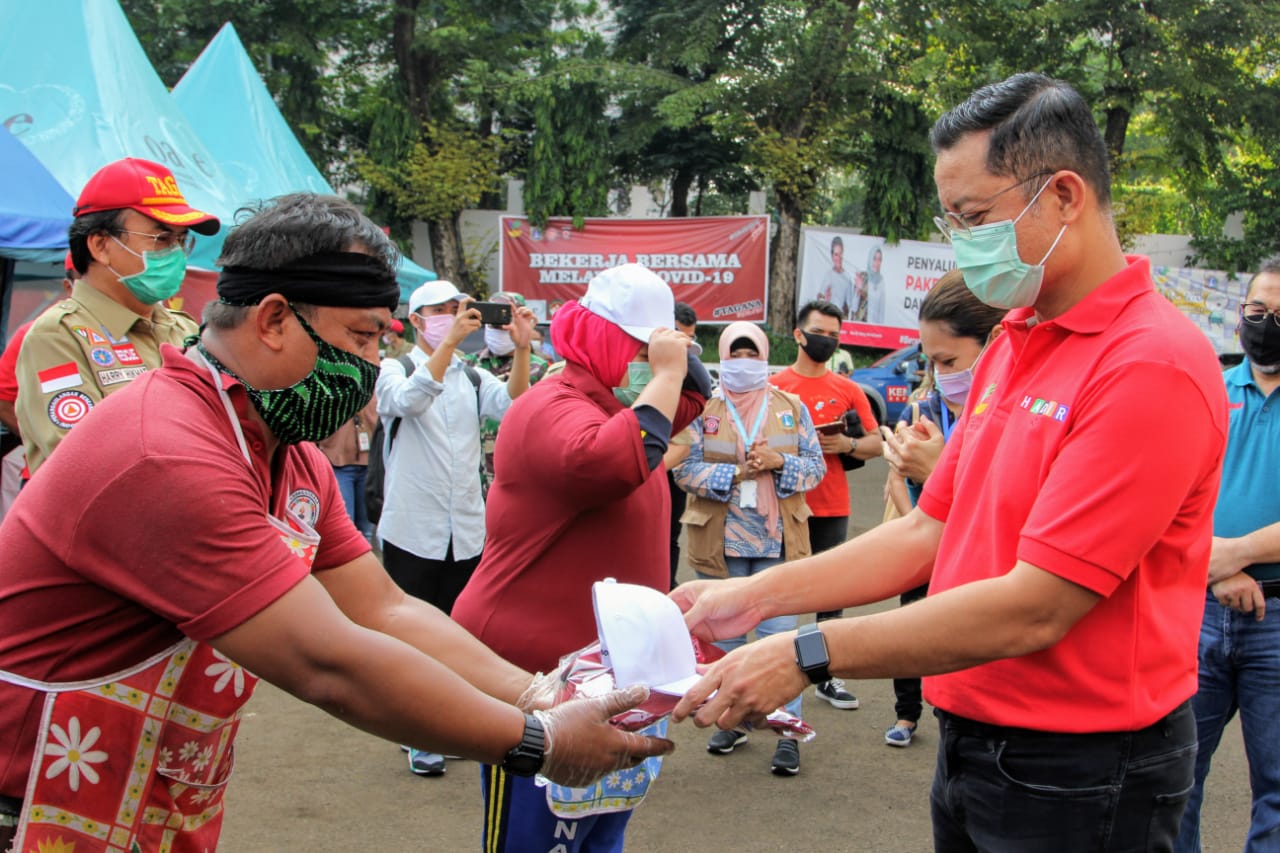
<point x="993" y="270"/>
<point x="638" y="375"/>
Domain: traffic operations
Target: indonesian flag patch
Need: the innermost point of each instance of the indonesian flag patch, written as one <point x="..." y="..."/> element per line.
<point x="59" y="378"/>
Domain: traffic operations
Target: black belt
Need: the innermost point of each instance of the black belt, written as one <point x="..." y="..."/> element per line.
<point x="1155" y="733"/>
<point x="1271" y="588"/>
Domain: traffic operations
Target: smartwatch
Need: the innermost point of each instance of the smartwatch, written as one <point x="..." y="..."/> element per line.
<point x="811" y="654"/>
<point x="526" y="757"/>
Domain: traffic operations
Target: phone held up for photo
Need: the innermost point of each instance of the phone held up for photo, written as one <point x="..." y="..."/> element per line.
<point x="493" y="313"/>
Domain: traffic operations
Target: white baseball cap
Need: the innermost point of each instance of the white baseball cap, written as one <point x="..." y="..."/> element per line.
<point x="643" y="638"/>
<point x="633" y="298"/>
<point x="433" y="293"/>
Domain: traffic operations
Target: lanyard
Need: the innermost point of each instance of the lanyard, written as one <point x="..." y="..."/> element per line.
<point x="747" y="440"/>
<point x="948" y="421"/>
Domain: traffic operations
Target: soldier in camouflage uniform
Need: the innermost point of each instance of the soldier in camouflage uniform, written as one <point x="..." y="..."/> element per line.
<point x="496" y="358"/>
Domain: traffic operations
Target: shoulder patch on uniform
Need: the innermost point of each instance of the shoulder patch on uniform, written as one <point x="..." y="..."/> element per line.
<point x="91" y="335"/>
<point x="305" y="504"/>
<point x="102" y="356"/>
<point x="59" y="377"/>
<point x="68" y="408"/>
<point x="127" y="354"/>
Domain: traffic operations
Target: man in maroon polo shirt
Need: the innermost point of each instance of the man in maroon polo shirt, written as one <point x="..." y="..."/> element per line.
<point x="188" y="539"/>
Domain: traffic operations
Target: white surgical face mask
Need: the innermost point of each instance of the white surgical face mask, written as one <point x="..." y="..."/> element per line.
<point x="744" y="374"/>
<point x="498" y="341"/>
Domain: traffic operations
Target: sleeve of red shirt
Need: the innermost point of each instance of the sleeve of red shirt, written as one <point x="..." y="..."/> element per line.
<point x="858" y="400"/>
<point x="9" y="365"/>
<point x="208" y="559"/>
<point x="690" y="407"/>
<point x="599" y="457"/>
<point x="340" y="540"/>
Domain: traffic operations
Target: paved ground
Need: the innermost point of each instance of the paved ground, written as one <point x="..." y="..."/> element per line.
<point x="305" y="782"/>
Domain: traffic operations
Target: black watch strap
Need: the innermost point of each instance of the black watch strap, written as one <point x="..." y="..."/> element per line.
<point x="526" y="757"/>
<point x="811" y="654"/>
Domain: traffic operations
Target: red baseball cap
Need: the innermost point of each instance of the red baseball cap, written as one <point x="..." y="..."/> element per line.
<point x="144" y="186"/>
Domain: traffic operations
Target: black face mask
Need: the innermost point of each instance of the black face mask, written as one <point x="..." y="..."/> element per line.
<point x="1261" y="342"/>
<point x="819" y="347"/>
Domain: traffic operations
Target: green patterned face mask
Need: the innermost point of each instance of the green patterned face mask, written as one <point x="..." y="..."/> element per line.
<point x="314" y="408"/>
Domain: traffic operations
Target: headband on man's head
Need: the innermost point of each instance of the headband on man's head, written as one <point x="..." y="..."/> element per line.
<point x="336" y="279"/>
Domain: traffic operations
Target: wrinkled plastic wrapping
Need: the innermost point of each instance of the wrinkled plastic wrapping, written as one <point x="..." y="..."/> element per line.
<point x="582" y="674"/>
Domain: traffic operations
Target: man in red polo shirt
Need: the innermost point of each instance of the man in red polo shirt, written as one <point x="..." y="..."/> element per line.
<point x="1067" y="530"/>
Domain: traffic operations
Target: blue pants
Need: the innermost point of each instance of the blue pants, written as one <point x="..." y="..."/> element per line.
<point x="1239" y="671"/>
<point x="1024" y="791"/>
<point x="351" y="485"/>
<point x="517" y="820"/>
<point x="745" y="567"/>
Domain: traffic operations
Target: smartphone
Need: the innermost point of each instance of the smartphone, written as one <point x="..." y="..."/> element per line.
<point x="833" y="428"/>
<point x="493" y="313"/>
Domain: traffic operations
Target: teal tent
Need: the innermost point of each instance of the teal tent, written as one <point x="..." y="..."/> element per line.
<point x="225" y="101"/>
<point x="90" y="96"/>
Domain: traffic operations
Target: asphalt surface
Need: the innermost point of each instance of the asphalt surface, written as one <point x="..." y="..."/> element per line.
<point x="305" y="782"/>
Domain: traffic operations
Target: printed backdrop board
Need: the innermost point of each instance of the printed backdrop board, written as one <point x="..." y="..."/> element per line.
<point x="878" y="285"/>
<point x="1211" y="299"/>
<point x="719" y="265"/>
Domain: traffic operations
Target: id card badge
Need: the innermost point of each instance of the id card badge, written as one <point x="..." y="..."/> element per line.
<point x="747" y="494"/>
<point x="362" y="440"/>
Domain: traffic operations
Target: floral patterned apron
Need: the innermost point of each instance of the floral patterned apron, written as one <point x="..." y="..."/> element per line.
<point x="139" y="760"/>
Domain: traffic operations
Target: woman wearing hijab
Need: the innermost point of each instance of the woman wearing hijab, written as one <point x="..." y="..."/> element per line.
<point x="754" y="454"/>
<point x="579" y="495"/>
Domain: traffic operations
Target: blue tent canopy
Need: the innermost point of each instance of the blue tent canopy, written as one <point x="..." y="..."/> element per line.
<point x="96" y="99"/>
<point x="225" y="101"/>
<point x="34" y="208"/>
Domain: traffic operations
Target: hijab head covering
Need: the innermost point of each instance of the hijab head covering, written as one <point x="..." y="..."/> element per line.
<point x="747" y="404"/>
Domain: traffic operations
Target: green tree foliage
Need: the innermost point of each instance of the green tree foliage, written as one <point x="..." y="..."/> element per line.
<point x="568" y="171"/>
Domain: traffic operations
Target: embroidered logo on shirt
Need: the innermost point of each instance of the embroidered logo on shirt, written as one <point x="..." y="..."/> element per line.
<point x="89" y="335"/>
<point x="787" y="419"/>
<point x="711" y="425"/>
<point x="102" y="356"/>
<point x="59" y="378"/>
<point x="305" y="504"/>
<point x="987" y="394"/>
<point x="127" y="354"/>
<point x="1048" y="408"/>
<point x="69" y="408"/>
<point x="1232" y="407"/>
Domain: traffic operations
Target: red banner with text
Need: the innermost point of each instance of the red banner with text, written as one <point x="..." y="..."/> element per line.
<point x="719" y="265"/>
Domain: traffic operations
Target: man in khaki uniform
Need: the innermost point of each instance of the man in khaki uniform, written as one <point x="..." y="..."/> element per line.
<point x="129" y="242"/>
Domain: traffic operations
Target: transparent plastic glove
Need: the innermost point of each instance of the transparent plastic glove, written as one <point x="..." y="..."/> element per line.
<point x="583" y="746"/>
<point x="541" y="692"/>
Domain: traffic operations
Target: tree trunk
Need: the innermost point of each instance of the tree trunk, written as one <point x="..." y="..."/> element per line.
<point x="446" y="251"/>
<point x="680" y="184"/>
<point x="1114" y="134"/>
<point x="783" y="257"/>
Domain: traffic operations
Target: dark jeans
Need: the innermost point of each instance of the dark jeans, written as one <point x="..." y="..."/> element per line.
<point x="1024" y="791"/>
<point x="678" y="498"/>
<point x="437" y="582"/>
<point x="826" y="533"/>
<point x="908" y="703"/>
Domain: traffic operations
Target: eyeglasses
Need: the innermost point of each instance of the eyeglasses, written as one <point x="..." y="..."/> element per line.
<point x="951" y="222"/>
<point x="1257" y="313"/>
<point x="164" y="240"/>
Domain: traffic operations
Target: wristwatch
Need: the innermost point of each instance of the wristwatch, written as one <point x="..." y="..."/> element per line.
<point x="853" y="445"/>
<point x="526" y="757"/>
<point x="811" y="654"/>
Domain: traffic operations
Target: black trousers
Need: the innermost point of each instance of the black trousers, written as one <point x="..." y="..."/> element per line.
<point x="908" y="700"/>
<point x="825" y="533"/>
<point x="437" y="582"/>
